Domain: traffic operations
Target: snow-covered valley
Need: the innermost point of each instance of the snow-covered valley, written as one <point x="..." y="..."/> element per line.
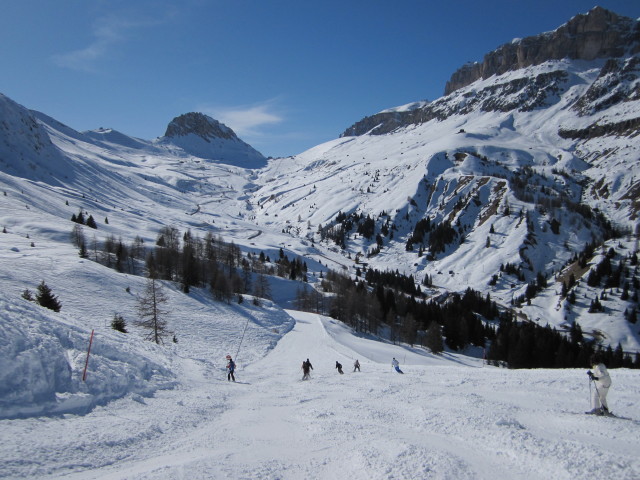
<point x="447" y="417"/>
<point x="520" y="189"/>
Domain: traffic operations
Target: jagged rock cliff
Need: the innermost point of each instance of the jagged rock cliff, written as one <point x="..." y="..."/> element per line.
<point x="199" y="124"/>
<point x="597" y="34"/>
<point x="512" y="94"/>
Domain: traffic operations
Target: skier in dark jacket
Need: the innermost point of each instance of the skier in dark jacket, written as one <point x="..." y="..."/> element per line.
<point x="306" y="369"/>
<point x="231" y="366"/>
<point x="339" y="367"/>
<point x="356" y="365"/>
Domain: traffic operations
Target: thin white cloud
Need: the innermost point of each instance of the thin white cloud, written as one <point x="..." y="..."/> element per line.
<point x="108" y="31"/>
<point x="246" y="120"/>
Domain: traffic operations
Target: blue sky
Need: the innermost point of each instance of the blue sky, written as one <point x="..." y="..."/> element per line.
<point x="285" y="75"/>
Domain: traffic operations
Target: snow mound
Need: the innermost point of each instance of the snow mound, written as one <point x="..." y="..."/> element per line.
<point x="42" y="359"/>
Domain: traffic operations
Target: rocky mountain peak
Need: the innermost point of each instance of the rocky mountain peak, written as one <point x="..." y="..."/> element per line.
<point x="599" y="33"/>
<point x="198" y="124"/>
<point x="199" y="135"/>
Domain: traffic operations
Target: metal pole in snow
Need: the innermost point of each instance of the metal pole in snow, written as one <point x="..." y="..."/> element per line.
<point x="86" y="364"/>
<point x="241" y="339"/>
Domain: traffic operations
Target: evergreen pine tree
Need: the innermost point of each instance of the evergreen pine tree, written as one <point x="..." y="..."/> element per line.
<point x="625" y="293"/>
<point x="119" y="324"/>
<point x="433" y="340"/>
<point x="45" y="298"/>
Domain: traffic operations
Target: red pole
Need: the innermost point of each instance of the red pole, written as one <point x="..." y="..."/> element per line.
<point x="86" y="364"/>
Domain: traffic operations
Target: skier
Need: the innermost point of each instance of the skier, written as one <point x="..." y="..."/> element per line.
<point x="339" y="367"/>
<point x="602" y="381"/>
<point x="356" y="365"/>
<point x="306" y="367"/>
<point x="231" y="366"/>
<point x="396" y="364"/>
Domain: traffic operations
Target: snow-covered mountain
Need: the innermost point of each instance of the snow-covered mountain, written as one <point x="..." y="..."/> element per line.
<point x="521" y="183"/>
<point x="202" y="136"/>
<point x="522" y="165"/>
<point x="527" y="163"/>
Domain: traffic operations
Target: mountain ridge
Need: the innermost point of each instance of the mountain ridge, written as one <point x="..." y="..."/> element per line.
<point x="478" y="189"/>
<point x="599" y="33"/>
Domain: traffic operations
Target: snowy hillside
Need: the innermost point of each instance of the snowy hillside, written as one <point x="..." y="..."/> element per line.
<point x="519" y="188"/>
<point x="148" y="411"/>
<point x="444" y="417"/>
<point x="469" y="170"/>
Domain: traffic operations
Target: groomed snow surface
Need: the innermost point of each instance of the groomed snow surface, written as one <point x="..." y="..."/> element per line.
<point x="447" y="417"/>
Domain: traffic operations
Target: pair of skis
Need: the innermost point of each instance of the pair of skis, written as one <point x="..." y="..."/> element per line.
<point x="606" y="414"/>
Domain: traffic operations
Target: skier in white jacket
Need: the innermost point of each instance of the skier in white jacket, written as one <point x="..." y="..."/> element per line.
<point x="602" y="381"/>
<point x="396" y="364"/>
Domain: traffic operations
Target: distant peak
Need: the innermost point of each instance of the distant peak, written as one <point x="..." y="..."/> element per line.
<point x="198" y="124"/>
<point x="202" y="136"/>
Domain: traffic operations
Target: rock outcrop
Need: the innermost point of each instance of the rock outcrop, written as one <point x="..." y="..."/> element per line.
<point x="199" y="135"/>
<point x="198" y="124"/>
<point x="522" y="94"/>
<point x="597" y="34"/>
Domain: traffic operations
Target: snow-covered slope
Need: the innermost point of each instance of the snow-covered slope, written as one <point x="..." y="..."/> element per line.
<point x="444" y="417"/>
<point x="26" y="150"/>
<point x="468" y="169"/>
<point x="512" y="165"/>
<point x="522" y="169"/>
<point x="470" y="164"/>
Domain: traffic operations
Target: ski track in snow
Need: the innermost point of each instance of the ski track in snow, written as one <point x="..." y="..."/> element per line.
<point x="437" y="421"/>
